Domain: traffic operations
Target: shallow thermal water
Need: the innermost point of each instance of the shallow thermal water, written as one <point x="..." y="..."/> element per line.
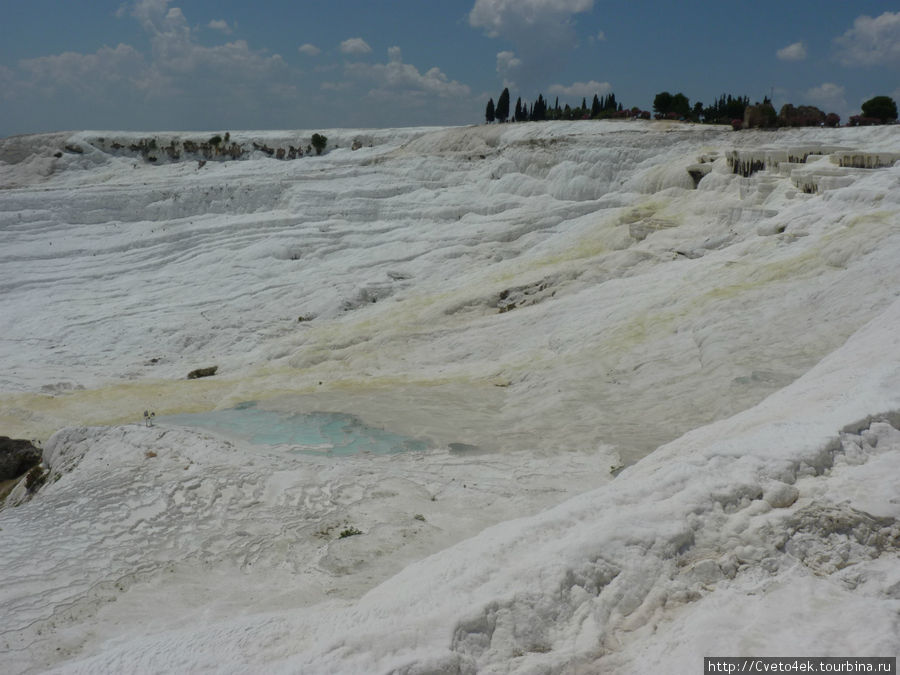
<point x="318" y="432"/>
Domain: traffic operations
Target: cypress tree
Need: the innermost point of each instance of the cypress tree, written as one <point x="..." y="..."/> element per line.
<point x="595" y="107"/>
<point x="539" y="111"/>
<point x="502" y="109"/>
<point x="489" y="112"/>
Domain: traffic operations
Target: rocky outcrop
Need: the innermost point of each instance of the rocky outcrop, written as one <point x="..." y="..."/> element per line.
<point x="202" y="372"/>
<point x="16" y="457"/>
<point x="165" y="148"/>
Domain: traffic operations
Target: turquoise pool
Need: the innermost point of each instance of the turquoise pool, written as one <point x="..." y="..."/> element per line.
<point x="318" y="432"/>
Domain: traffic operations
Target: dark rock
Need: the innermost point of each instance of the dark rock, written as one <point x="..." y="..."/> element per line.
<point x="16" y="457"/>
<point x="202" y="372"/>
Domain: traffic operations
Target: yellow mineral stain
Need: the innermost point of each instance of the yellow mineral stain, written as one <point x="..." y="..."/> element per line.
<point x="38" y="416"/>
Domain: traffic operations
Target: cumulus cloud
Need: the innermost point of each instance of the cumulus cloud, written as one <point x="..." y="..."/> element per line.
<point x="507" y="64"/>
<point x="507" y="60"/>
<point x="871" y="42"/>
<point x="153" y="14"/>
<point x="355" y="46"/>
<point x="179" y="82"/>
<point x="541" y="30"/>
<point x="175" y="79"/>
<point x="220" y="25"/>
<point x="828" y="95"/>
<point x="581" y="89"/>
<point x="499" y="17"/>
<point x="398" y="78"/>
<point x="793" y="52"/>
<point x="88" y="74"/>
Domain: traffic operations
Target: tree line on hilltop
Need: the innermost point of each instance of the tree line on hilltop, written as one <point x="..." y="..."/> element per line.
<point x="600" y="108"/>
<point x="727" y="109"/>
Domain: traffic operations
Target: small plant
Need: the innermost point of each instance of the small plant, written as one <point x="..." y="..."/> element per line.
<point x="419" y="516"/>
<point x="349" y="532"/>
<point x="34" y="478"/>
<point x="215" y="140"/>
<point x="318" y="142"/>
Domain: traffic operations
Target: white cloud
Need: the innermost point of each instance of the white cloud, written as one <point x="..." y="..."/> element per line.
<point x="507" y="60"/>
<point x="220" y="25"/>
<point x="793" y="52"/>
<point x="309" y="50"/>
<point x="581" y="89"/>
<point x="507" y="64"/>
<point x="87" y="73"/>
<point x="398" y="78"/>
<point x="355" y="46"/>
<point x="829" y="96"/>
<point x="541" y="30"/>
<point x="151" y="13"/>
<point x="499" y="17"/>
<point x="871" y="41"/>
<point x="178" y="82"/>
<point x="170" y="80"/>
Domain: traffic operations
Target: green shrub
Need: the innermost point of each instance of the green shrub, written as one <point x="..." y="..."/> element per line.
<point x="881" y="107"/>
<point x="318" y="142"/>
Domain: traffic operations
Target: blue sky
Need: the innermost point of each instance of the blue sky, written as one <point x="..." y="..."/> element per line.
<point x="291" y="64"/>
